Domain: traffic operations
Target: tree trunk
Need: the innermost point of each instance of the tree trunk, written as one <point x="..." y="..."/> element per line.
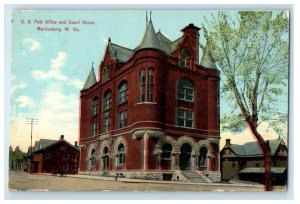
<point x="267" y="157"/>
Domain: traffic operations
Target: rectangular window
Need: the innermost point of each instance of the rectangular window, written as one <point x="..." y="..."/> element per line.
<point x="186" y="93"/>
<point x="185" y="118"/>
<point x="47" y="156"/>
<point x="150" y="93"/>
<point x="94" y="129"/>
<point x="122" y="119"/>
<point x="107" y="104"/>
<point x="106" y="122"/>
<point x="94" y="108"/>
<point x="123" y="96"/>
<point x="66" y="156"/>
<point x="122" y="159"/>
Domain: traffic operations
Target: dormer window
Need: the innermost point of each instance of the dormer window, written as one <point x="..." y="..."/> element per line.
<point x="185" y="58"/>
<point x="105" y="74"/>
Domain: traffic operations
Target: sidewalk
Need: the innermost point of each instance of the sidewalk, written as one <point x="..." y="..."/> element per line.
<point x="128" y="180"/>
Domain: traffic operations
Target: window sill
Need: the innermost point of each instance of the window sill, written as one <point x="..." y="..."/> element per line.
<point x="146" y="103"/>
<point x="191" y="128"/>
<point x="186" y="101"/>
<point x="123" y="103"/>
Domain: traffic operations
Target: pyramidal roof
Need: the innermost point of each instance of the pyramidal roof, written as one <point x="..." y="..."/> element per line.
<point x="91" y="80"/>
<point x="150" y="39"/>
<point x="207" y="60"/>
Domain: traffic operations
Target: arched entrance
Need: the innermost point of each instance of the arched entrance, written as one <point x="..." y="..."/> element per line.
<point x="105" y="158"/>
<point x="166" y="156"/>
<point x="92" y="160"/>
<point x="185" y="157"/>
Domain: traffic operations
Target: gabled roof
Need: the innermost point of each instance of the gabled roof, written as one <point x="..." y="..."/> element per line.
<point x="237" y="149"/>
<point x="207" y="60"/>
<point x="253" y="148"/>
<point x="42" y="143"/>
<point x="165" y="43"/>
<point x="150" y="38"/>
<point x="175" y="43"/>
<point x="122" y="54"/>
<point x="45" y="144"/>
<point x="91" y="80"/>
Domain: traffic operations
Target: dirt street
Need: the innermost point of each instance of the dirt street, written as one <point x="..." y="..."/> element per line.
<point x="22" y="181"/>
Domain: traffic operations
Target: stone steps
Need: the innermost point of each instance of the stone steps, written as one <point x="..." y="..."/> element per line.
<point x="195" y="177"/>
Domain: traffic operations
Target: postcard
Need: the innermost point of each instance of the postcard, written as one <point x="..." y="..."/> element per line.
<point x="149" y="100"/>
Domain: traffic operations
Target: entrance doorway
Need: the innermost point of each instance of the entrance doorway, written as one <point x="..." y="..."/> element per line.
<point x="185" y="157"/>
<point x="105" y="158"/>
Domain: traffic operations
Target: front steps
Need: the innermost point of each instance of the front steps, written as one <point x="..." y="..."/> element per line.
<point x="195" y="177"/>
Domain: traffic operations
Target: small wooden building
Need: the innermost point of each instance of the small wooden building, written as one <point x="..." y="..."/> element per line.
<point x="56" y="157"/>
<point x="246" y="162"/>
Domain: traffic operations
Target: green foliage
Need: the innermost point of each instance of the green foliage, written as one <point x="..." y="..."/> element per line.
<point x="251" y="48"/>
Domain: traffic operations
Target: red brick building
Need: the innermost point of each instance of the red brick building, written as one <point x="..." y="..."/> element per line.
<point x="153" y="110"/>
<point x="55" y="156"/>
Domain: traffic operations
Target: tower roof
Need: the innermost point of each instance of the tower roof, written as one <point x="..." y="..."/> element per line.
<point x="150" y="38"/>
<point x="207" y="60"/>
<point x="91" y="80"/>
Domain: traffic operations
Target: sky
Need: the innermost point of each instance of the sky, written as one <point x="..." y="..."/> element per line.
<point x="49" y="68"/>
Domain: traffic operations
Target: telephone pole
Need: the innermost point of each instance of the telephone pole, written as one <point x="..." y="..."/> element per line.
<point x="31" y="122"/>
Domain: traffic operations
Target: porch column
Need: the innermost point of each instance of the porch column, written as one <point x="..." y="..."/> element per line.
<point x="208" y="162"/>
<point x="192" y="163"/>
<point x="175" y="161"/>
<point x="159" y="161"/>
<point x="146" y="137"/>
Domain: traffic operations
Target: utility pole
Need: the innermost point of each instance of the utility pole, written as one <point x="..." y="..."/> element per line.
<point x="31" y="122"/>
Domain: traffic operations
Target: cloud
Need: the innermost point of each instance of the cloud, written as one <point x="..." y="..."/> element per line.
<point x="25" y="101"/>
<point x="59" y="61"/>
<point x="55" y="71"/>
<point x="57" y="114"/>
<point x="15" y="87"/>
<point x="33" y="44"/>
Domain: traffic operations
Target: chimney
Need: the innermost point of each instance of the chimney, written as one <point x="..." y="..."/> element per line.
<point x="227" y="141"/>
<point x="76" y="144"/>
<point x="62" y="137"/>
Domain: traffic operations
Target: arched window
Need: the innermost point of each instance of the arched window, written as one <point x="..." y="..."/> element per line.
<point x="93" y="159"/>
<point x="166" y="151"/>
<point x="185" y="90"/>
<point x="185" y="58"/>
<point x="203" y="156"/>
<point x="107" y="100"/>
<point x="94" y="106"/>
<point x="123" y="92"/>
<point x="121" y="154"/>
<point x="150" y="85"/>
<point x="105" y="150"/>
<point x="105" y="74"/>
<point x="142" y="80"/>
